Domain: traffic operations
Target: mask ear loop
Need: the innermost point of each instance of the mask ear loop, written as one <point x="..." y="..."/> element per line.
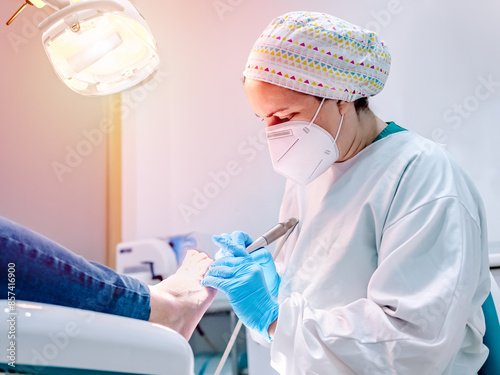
<point x="338" y="131"/>
<point x="317" y="111"/>
<point x="316" y="114"/>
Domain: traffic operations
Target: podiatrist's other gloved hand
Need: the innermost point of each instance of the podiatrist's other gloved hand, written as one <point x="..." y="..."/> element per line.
<point x="235" y="245"/>
<point x="243" y="281"/>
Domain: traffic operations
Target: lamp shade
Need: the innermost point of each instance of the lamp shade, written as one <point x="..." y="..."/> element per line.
<point x="100" y="47"/>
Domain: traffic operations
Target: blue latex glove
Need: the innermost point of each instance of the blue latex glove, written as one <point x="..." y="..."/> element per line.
<point x="235" y="244"/>
<point x="243" y="281"/>
<point x="265" y="259"/>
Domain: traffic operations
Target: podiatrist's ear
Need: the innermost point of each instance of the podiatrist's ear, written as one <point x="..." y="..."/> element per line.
<point x="343" y="106"/>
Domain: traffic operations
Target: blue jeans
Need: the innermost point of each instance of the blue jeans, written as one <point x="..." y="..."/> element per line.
<point x="49" y="273"/>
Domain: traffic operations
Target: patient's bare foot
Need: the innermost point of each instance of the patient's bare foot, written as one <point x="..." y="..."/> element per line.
<point x="179" y="301"/>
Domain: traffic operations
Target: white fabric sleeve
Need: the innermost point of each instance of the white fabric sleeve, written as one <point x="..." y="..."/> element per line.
<point x="257" y="337"/>
<point x="414" y="318"/>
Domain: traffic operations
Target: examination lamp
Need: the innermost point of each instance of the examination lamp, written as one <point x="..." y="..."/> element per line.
<point x="97" y="47"/>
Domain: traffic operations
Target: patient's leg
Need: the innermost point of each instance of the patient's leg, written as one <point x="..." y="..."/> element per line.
<point x="49" y="273"/>
<point x="179" y="301"/>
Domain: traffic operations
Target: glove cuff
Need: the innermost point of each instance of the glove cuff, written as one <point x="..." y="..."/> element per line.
<point x="269" y="316"/>
<point x="276" y="287"/>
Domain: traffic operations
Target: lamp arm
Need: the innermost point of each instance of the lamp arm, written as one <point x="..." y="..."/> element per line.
<point x="54" y="4"/>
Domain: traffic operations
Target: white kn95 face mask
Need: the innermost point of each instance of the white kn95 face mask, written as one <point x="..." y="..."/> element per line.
<point x="300" y="150"/>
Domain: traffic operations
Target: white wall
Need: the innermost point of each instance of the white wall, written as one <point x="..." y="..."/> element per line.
<point x="40" y="119"/>
<point x="195" y="120"/>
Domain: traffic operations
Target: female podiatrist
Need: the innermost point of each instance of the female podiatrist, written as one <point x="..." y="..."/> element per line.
<point x="388" y="268"/>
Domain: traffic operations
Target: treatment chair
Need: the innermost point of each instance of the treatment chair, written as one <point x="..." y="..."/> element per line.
<point x="49" y="339"/>
<point x="491" y="310"/>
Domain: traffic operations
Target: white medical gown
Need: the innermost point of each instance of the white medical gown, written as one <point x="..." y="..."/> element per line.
<point x="388" y="269"/>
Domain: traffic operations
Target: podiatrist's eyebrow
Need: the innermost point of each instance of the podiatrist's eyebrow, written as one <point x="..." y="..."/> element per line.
<point x="273" y="113"/>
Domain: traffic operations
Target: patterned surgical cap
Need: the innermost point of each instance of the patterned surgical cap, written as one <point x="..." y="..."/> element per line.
<point x="320" y="55"/>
